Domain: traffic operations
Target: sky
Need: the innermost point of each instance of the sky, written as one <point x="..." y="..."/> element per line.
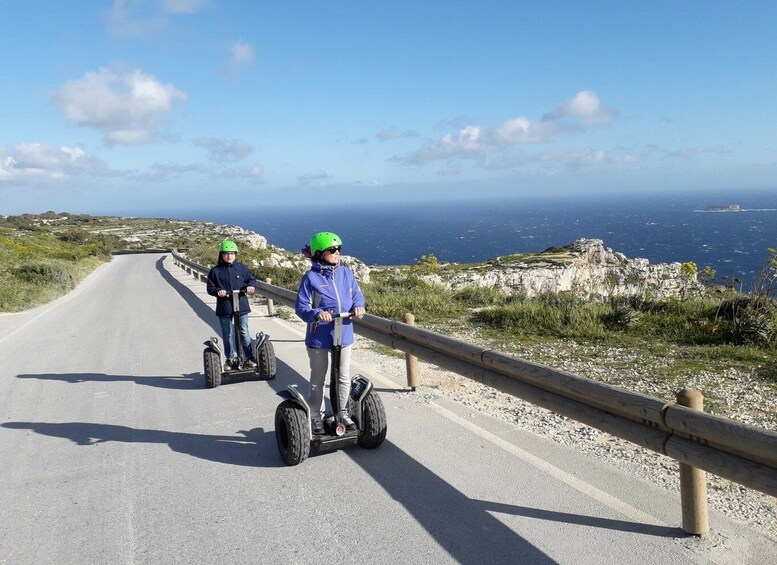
<point x="140" y="106"/>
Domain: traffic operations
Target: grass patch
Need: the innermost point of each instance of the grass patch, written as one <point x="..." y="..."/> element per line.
<point x="392" y="297"/>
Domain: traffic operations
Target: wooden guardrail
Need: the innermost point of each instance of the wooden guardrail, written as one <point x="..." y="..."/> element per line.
<point x="678" y="429"/>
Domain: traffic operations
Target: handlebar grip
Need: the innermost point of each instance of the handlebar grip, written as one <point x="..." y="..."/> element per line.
<point x="342" y="315"/>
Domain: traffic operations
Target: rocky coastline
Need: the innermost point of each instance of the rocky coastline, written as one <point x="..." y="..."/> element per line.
<point x="584" y="267"/>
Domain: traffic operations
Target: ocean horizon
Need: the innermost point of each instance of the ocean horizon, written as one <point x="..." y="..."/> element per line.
<point x="661" y="228"/>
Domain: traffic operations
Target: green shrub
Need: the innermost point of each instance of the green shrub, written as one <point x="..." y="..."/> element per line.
<point x="548" y="316"/>
<point x="623" y="316"/>
<point x="280" y="276"/>
<point x="393" y="297"/>
<point x="755" y="327"/>
<point x="427" y="265"/>
<point x="54" y="273"/>
<point x="477" y="296"/>
<point x="74" y="235"/>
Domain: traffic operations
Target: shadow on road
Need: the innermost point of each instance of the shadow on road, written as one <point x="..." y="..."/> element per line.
<point x="193" y="381"/>
<point x="203" y="311"/>
<point x="251" y="448"/>
<point x="181" y="382"/>
<point x="466" y="527"/>
<point x="593" y="521"/>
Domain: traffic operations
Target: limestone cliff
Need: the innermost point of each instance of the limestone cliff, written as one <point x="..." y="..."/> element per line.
<point x="585" y="267"/>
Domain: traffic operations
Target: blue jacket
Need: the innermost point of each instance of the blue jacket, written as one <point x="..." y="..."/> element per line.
<point x="327" y="288"/>
<point x="231" y="278"/>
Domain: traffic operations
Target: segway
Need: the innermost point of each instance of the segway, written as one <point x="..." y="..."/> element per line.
<point x="293" y="418"/>
<point x="213" y="356"/>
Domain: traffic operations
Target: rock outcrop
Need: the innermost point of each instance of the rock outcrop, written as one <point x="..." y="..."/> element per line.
<point x="585" y="267"/>
<point x="284" y="259"/>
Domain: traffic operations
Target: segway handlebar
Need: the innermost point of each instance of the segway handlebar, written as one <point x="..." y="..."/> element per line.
<point x="240" y="292"/>
<point x="343" y="315"/>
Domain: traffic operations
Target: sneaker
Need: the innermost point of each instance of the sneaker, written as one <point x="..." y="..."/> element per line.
<point x="346" y="418"/>
<point x="233" y="363"/>
<point x="251" y="362"/>
<point x="318" y="425"/>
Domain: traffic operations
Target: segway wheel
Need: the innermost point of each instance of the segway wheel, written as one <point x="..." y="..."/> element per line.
<point x="266" y="362"/>
<point x="374" y="415"/>
<point x="212" y="365"/>
<point x="292" y="433"/>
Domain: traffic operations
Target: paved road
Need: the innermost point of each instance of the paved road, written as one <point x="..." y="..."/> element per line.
<point x="113" y="451"/>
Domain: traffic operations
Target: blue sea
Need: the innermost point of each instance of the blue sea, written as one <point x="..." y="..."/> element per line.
<point x="660" y="228"/>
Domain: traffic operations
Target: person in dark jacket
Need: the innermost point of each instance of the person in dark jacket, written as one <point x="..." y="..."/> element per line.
<point x="228" y="276"/>
<point x="327" y="288"/>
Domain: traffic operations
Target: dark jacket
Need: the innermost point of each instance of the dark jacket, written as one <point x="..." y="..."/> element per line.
<point x="332" y="288"/>
<point x="232" y="278"/>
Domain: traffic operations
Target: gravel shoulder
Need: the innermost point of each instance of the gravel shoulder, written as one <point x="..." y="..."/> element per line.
<point x="748" y="506"/>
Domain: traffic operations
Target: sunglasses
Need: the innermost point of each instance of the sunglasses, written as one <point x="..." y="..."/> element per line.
<point x="335" y="249"/>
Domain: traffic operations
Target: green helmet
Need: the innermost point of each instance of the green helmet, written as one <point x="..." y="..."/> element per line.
<point x="323" y="240"/>
<point x="227" y="245"/>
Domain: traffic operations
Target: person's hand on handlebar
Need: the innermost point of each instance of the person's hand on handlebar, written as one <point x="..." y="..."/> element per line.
<point x="222" y="293"/>
<point x="250" y="290"/>
<point x="327" y="316"/>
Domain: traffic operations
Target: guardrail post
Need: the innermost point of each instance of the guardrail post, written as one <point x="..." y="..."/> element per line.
<point x="270" y="305"/>
<point x="411" y="361"/>
<point x="693" y="481"/>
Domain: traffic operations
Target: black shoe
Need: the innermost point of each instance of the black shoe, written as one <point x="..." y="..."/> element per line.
<point x="232" y="364"/>
<point x="251" y="362"/>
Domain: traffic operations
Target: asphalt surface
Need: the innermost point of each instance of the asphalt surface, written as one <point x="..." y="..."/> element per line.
<point x="112" y="450"/>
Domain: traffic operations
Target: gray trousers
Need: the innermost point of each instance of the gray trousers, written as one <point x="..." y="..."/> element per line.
<point x="319" y="366"/>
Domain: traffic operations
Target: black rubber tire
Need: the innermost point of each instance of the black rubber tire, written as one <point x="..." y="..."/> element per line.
<point x="374" y="415"/>
<point x="292" y="433"/>
<point x="266" y="365"/>
<point x="211" y="362"/>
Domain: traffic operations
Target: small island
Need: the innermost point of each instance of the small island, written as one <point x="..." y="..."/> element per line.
<point x="724" y="208"/>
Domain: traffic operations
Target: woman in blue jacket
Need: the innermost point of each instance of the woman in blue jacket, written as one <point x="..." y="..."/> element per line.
<point x="228" y="276"/>
<point x="327" y="288"/>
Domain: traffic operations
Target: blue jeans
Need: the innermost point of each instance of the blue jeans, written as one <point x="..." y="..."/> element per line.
<point x="227" y="331"/>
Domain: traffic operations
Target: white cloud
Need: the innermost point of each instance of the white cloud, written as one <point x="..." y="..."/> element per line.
<point x="134" y="18"/>
<point x="126" y="106"/>
<point x="690" y="152"/>
<point x="253" y="174"/>
<point x="161" y="172"/>
<point x="554" y="160"/>
<point x="388" y="134"/>
<point x="241" y="56"/>
<point x="582" y="111"/>
<point x="183" y="6"/>
<point x="41" y="161"/>
<point x="225" y="149"/>
<point x="586" y="107"/>
<point x="314" y="178"/>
